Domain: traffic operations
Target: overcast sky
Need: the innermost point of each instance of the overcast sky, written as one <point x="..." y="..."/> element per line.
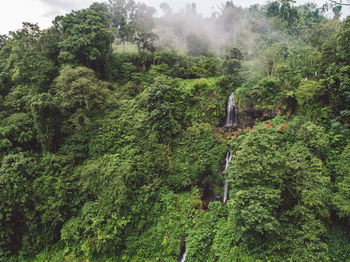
<point x="14" y="12"/>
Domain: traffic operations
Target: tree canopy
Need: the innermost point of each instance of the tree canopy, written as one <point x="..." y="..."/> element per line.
<point x="113" y="143"/>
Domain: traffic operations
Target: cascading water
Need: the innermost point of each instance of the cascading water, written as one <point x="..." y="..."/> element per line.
<point x="231" y="122"/>
<point x="227" y="161"/>
<point x="183" y="258"/>
<point x="232" y="112"/>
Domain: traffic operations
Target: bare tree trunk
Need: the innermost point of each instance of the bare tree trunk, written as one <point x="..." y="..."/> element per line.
<point x="124" y="42"/>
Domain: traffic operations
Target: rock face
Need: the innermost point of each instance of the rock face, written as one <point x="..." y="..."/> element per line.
<point x="248" y="117"/>
<point x="239" y="119"/>
<point x="269" y="114"/>
<point x="207" y="196"/>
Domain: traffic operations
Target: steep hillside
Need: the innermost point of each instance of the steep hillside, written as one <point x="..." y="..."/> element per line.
<point x="131" y="137"/>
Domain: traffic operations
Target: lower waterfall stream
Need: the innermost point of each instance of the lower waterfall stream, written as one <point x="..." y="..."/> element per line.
<point x="183" y="258"/>
<point x="227" y="161"/>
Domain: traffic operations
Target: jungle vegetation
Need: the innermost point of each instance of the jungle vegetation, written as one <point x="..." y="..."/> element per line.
<point x="112" y="135"/>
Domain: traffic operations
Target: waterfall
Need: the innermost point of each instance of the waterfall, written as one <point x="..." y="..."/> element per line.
<point x="231" y="112"/>
<point x="227" y="161"/>
<point x="183" y="258"/>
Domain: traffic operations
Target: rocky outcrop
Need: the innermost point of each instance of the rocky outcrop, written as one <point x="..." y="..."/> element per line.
<point x="247" y="118"/>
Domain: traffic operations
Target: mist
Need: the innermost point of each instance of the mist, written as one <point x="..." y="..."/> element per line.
<point x="228" y="26"/>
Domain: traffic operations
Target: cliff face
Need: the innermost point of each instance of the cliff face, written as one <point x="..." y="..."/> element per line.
<point x="248" y="117"/>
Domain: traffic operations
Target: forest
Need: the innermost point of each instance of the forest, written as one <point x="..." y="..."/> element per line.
<point x="129" y="134"/>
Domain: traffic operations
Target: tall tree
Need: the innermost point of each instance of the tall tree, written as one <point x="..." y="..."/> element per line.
<point x="144" y="24"/>
<point x="80" y="93"/>
<point x="86" y="37"/>
<point x="335" y="57"/>
<point x="123" y="14"/>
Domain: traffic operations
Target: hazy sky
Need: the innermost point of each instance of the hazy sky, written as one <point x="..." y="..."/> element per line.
<point x="14" y="12"/>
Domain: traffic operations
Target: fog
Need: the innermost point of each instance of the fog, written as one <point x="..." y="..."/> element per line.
<point x="228" y="25"/>
<point x="206" y="7"/>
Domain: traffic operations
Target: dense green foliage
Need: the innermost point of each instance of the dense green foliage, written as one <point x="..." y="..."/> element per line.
<point x="118" y="156"/>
